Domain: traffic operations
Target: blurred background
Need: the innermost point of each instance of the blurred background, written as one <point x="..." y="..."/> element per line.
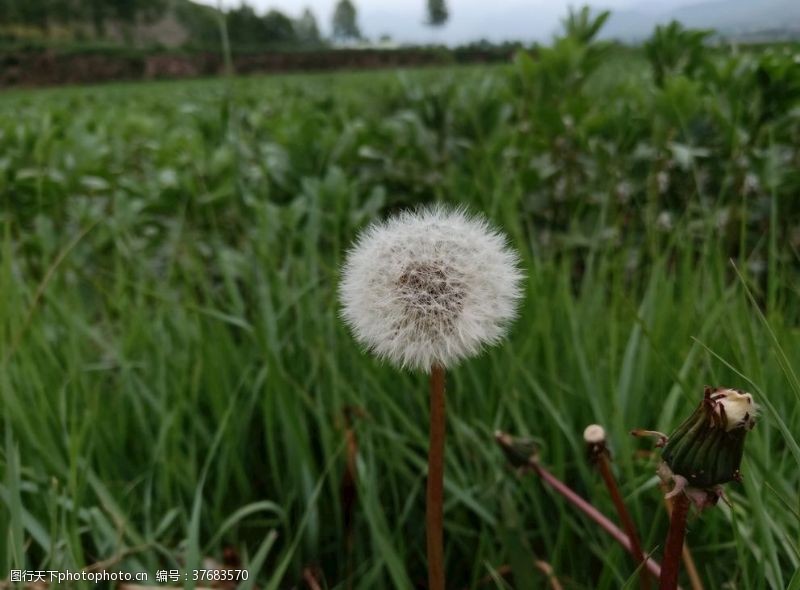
<point x="180" y="182"/>
<point x="55" y="41"/>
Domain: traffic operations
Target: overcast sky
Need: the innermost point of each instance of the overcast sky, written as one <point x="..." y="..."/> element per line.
<point x="470" y="20"/>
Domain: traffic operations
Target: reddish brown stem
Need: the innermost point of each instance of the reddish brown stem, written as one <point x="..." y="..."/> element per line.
<point x="590" y="511"/>
<point x="506" y="441"/>
<point x="688" y="561"/>
<point x="674" y="544"/>
<point x="349" y="489"/>
<point x="435" y="491"/>
<point x="311" y="580"/>
<point x="603" y="465"/>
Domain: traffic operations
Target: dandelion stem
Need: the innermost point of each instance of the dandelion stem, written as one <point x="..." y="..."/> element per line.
<point x="435" y="492"/>
<point x="592" y="512"/>
<point x="674" y="544"/>
<point x="578" y="502"/>
<point x="688" y="560"/>
<point x="603" y="465"/>
<point x="582" y="505"/>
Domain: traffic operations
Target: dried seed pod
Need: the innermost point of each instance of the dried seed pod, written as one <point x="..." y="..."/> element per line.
<point x="519" y="451"/>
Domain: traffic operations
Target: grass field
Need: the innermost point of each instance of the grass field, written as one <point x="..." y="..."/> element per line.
<point x="175" y="376"/>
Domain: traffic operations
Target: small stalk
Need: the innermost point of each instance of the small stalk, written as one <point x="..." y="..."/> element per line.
<point x="595" y="438"/>
<point x="688" y="561"/>
<point x="674" y="545"/>
<point x="703" y="453"/>
<point x="435" y="491"/>
<point x="349" y="488"/>
<point x="310" y="579"/>
<point x="514" y="451"/>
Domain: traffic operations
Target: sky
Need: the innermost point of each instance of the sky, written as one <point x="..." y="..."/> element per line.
<point x="470" y="20"/>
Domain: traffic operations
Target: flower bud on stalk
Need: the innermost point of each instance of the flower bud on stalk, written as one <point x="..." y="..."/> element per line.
<point x="701" y="455"/>
<point x="594" y="436"/>
<point x="706" y="450"/>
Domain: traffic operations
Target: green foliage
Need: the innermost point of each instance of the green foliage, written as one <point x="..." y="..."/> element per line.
<point x="673" y="50"/>
<point x="778" y="83"/>
<point x="174" y="373"/>
<point x="582" y="25"/>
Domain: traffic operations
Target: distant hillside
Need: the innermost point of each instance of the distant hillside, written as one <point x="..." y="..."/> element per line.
<point x="154" y="23"/>
<point x="730" y="18"/>
<point x="180" y="22"/>
<point x="168" y="23"/>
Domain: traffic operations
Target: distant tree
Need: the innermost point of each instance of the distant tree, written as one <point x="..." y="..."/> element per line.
<point x="245" y="28"/>
<point x="306" y="28"/>
<point x="278" y="28"/>
<point x="98" y="12"/>
<point x="345" y="25"/>
<point x="249" y="30"/>
<point x="8" y="12"/>
<point x="64" y="11"/>
<point x="150" y="10"/>
<point x="437" y="13"/>
<point x="129" y="13"/>
<point x="124" y="10"/>
<point x="201" y="21"/>
<point x="35" y="13"/>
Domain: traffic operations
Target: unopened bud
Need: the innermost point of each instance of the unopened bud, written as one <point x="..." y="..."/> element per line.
<point x="594" y="434"/>
<point x="707" y="448"/>
<point x="595" y="437"/>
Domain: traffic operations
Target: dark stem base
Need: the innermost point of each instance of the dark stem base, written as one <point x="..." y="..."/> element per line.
<point x="625" y="517"/>
<point x="673" y="550"/>
<point x="435" y="490"/>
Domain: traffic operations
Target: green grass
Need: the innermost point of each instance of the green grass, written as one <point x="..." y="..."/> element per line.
<point x="174" y="371"/>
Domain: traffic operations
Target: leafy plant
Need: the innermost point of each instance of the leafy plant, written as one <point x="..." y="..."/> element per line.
<point x="675" y="50"/>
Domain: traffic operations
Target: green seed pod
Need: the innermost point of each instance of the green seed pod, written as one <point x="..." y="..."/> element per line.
<point x="707" y="448"/>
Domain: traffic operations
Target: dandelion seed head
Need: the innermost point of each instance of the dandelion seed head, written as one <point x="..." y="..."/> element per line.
<point x="431" y="286"/>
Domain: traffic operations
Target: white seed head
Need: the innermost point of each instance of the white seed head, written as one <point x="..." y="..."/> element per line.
<point x="594" y="434"/>
<point x="431" y="286"/>
<point x="738" y="407"/>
